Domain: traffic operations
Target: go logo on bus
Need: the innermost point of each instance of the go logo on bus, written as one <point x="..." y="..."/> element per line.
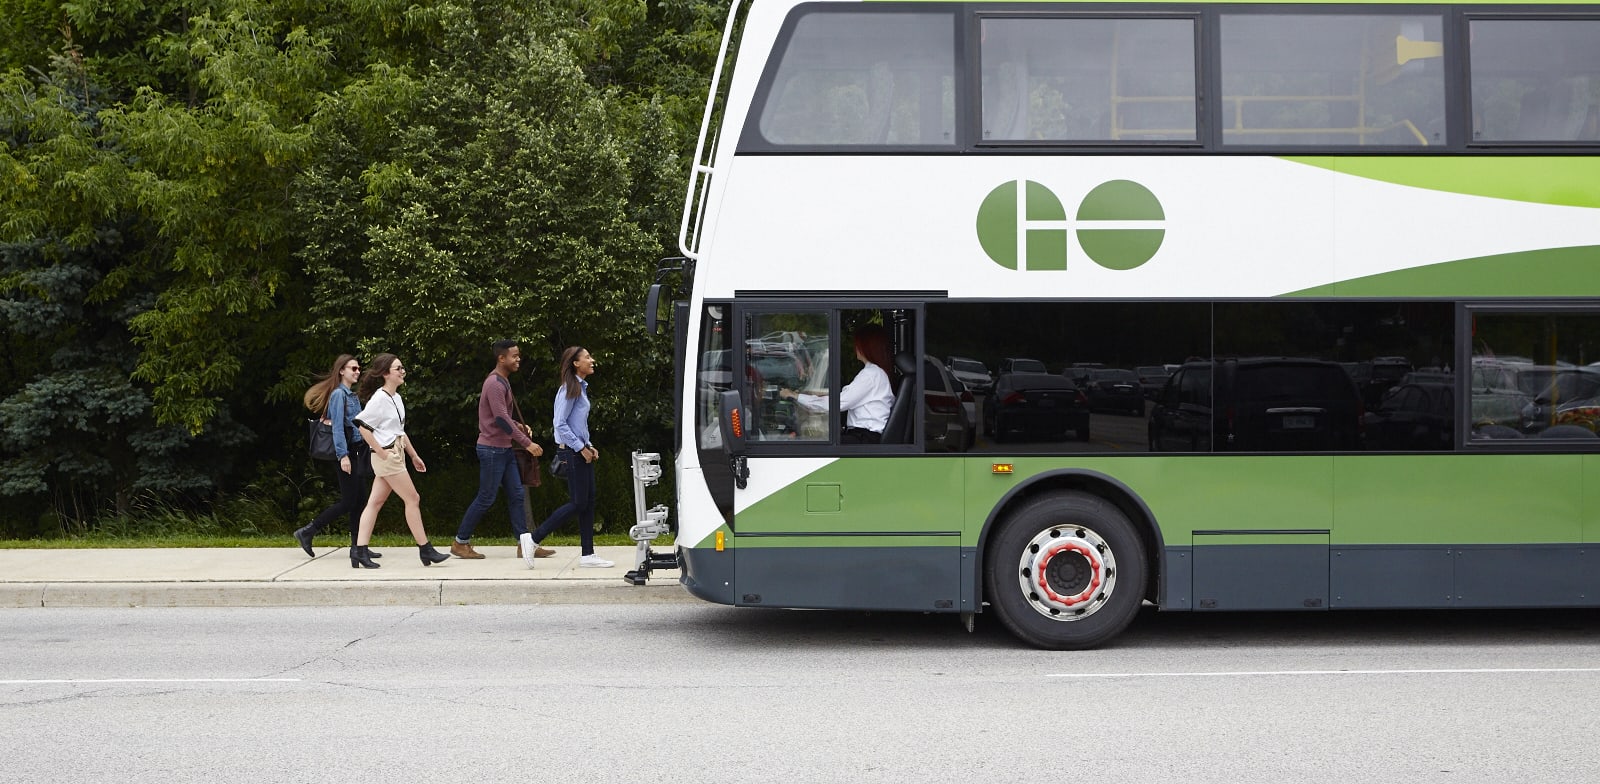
<point x="1026" y="228"/>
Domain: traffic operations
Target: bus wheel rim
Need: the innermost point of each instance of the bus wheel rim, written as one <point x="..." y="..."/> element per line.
<point x="1067" y="572"/>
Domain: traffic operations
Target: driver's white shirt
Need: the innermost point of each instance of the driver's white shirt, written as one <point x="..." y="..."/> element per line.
<point x="866" y="399"/>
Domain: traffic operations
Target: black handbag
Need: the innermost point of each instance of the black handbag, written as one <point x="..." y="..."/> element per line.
<point x="319" y="439"/>
<point x="361" y="461"/>
<point x="558" y="464"/>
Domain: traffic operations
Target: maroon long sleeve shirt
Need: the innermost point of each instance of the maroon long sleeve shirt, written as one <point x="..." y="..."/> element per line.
<point x="496" y="427"/>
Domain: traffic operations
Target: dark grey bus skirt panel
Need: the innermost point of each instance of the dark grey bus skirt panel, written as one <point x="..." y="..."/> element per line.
<point x="921" y="579"/>
<point x="1315" y="577"/>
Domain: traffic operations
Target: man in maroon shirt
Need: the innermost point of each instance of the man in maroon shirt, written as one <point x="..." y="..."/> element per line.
<point x="499" y="435"/>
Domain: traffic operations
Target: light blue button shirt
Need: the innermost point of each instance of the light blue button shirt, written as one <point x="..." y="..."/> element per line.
<point x="571" y="423"/>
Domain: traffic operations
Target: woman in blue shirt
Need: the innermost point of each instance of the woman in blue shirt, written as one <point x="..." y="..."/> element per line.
<point x="574" y="447"/>
<point x="334" y="399"/>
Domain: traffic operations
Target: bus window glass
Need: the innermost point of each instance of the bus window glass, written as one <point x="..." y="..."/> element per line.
<point x="1332" y="80"/>
<point x="1536" y="375"/>
<point x="1103" y="80"/>
<point x="1333" y="377"/>
<point x="864" y="79"/>
<point x="1535" y="80"/>
<point x="1069" y="377"/>
<point x="713" y="376"/>
<point x="786" y="351"/>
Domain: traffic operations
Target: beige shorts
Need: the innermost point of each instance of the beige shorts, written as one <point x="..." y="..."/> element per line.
<point x="391" y="461"/>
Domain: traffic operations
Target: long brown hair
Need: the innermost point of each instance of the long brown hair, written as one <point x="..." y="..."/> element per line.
<point x="316" y="398"/>
<point x="873" y="343"/>
<point x="569" y="374"/>
<point x="372" y="380"/>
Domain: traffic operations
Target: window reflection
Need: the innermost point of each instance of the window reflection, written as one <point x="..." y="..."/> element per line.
<point x="1536" y="375"/>
<point x="786" y="351"/>
<point x="1062" y="377"/>
<point x="1184" y="377"/>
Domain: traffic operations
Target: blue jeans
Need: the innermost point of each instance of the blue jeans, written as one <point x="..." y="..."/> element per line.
<point x="580" y="489"/>
<point x="497" y="468"/>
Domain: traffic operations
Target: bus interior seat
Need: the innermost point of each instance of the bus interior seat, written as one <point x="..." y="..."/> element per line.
<point x="898" y="429"/>
<point x="1567" y="431"/>
<point x="880" y="104"/>
<point x="1534" y="122"/>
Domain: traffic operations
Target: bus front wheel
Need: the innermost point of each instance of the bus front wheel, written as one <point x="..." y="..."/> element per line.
<point x="1066" y="571"/>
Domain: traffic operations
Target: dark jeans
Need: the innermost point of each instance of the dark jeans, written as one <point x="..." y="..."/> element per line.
<point x="353" y="492"/>
<point x="497" y="468"/>
<point x="860" y="435"/>
<point x="580" y="489"/>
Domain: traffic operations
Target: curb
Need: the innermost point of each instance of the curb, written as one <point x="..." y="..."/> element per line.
<point x="401" y="593"/>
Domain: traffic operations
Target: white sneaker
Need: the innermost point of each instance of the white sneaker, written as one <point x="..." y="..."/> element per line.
<point x="595" y="562"/>
<point x="527" y="548"/>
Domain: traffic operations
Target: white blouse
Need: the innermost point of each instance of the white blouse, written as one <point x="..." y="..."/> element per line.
<point x="385" y="416"/>
<point x="868" y="398"/>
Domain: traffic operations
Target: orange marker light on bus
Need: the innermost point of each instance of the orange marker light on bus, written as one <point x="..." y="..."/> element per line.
<point x="722" y="541"/>
<point x="1002" y="468"/>
<point x="737" y="422"/>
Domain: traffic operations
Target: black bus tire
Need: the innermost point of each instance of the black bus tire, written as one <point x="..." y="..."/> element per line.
<point x="1093" y="564"/>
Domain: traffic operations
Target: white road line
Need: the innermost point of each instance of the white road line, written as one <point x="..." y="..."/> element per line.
<point x="149" y="680"/>
<point x="1282" y="673"/>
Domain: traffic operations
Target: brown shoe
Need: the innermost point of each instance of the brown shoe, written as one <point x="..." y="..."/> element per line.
<point x="460" y="550"/>
<point x="542" y="552"/>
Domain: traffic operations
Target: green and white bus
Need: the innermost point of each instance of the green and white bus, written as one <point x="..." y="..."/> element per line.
<point x="1353" y="250"/>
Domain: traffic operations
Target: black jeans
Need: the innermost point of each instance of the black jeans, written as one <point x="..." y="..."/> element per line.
<point x="580" y="491"/>
<point x="860" y="435"/>
<point x="353" y="492"/>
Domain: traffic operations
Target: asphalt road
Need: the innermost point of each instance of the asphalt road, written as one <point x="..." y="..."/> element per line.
<point x="694" y="693"/>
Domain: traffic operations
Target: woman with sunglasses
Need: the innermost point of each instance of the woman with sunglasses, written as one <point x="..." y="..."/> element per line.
<point x="333" y="398"/>
<point x="383" y="427"/>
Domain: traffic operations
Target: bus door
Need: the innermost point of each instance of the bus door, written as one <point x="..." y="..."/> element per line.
<point x="838" y="510"/>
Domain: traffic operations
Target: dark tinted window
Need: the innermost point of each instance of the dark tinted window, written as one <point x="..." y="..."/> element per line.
<point x="1535" y="375"/>
<point x="1044" y="412"/>
<point x="1314" y="376"/>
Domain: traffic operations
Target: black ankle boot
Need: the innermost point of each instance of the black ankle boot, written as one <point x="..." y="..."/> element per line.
<point x="370" y="552"/>
<point x="429" y="555"/>
<point x="303" y="536"/>
<point x="359" y="557"/>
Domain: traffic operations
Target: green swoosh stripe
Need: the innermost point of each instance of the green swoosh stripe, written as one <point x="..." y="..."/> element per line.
<point x="1571" y="182"/>
<point x="1551" y="272"/>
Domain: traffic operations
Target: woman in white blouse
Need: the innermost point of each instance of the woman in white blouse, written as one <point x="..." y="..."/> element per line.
<point x="383" y="427"/>
<point x="868" y="397"/>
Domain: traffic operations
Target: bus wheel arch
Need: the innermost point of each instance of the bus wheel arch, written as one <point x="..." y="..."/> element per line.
<point x="1101" y="532"/>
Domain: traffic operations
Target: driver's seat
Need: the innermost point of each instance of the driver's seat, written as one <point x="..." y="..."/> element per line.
<point x="898" y="430"/>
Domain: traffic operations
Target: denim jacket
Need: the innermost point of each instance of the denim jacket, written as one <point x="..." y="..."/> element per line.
<point x="343" y="407"/>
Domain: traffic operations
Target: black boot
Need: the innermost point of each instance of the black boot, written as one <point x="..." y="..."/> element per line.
<point x="359" y="557"/>
<point x="429" y="555"/>
<point x="370" y="552"/>
<point x="303" y="536"/>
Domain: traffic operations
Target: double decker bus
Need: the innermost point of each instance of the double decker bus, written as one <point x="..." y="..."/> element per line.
<point x="1352" y="248"/>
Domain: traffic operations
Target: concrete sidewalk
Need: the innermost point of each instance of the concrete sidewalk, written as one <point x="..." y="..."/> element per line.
<point x="267" y="577"/>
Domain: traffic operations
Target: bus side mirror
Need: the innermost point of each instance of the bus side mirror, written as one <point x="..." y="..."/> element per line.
<point x="734" y="422"/>
<point x="652" y="306"/>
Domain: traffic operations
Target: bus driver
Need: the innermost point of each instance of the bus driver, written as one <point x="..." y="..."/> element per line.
<point x="868" y="397"/>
